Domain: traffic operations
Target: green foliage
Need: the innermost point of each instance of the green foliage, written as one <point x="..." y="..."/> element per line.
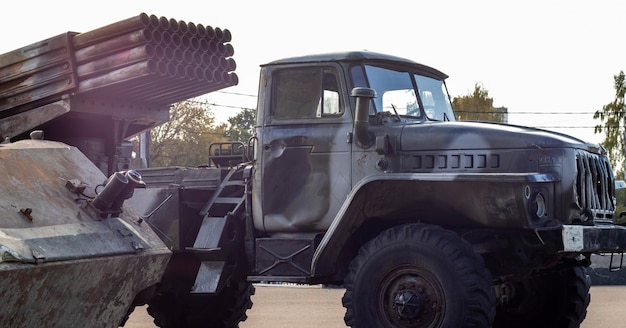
<point x="478" y="106"/>
<point x="241" y="126"/>
<point x="613" y="118"/>
<point x="184" y="140"/>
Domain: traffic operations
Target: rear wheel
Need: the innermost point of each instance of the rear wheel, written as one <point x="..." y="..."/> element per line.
<point x="555" y="300"/>
<point x="179" y="308"/>
<point x="418" y="276"/>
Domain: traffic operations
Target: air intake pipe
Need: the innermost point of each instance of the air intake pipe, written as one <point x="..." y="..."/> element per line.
<point x="364" y="138"/>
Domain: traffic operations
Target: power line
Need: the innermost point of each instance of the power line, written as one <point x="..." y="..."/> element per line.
<point x="229" y="106"/>
<point x="527" y="113"/>
<point x="238" y="94"/>
<point x="207" y="103"/>
<point x="457" y="112"/>
<point x="571" y="127"/>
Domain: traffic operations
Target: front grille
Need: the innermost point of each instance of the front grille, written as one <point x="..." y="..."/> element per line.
<point x="595" y="186"/>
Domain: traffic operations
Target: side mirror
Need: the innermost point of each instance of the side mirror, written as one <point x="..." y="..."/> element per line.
<point x="363" y="136"/>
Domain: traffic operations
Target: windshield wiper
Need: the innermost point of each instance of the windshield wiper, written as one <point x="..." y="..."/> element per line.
<point x="395" y="112"/>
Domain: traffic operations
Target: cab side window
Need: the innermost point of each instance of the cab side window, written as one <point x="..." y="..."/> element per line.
<point x="303" y="93"/>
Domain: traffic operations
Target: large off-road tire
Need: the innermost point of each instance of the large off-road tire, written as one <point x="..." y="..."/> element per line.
<point x="555" y="300"/>
<point x="418" y="276"/>
<point x="184" y="310"/>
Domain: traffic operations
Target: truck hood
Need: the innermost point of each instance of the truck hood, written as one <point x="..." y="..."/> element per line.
<point x="485" y="135"/>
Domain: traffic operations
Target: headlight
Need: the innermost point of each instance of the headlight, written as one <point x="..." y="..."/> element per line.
<point x="539" y="205"/>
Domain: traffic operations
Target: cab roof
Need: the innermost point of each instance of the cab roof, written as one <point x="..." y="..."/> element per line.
<point x="358" y="57"/>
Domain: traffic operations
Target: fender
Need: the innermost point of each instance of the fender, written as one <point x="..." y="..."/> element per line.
<point x="350" y="217"/>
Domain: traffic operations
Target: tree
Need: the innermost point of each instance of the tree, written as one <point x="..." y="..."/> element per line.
<point x="478" y="106"/>
<point x="241" y="126"/>
<point x="184" y="140"/>
<point x="613" y="119"/>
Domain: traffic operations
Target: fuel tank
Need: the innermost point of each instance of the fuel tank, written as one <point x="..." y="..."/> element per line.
<point x="66" y="260"/>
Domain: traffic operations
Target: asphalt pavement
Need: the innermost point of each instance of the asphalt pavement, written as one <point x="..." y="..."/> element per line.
<point x="285" y="306"/>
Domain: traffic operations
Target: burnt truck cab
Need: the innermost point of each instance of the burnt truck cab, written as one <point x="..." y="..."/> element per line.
<point x="352" y="143"/>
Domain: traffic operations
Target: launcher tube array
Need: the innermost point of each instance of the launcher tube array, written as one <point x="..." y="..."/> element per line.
<point x="143" y="59"/>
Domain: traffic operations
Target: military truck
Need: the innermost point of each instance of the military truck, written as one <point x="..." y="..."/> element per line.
<point x="359" y="175"/>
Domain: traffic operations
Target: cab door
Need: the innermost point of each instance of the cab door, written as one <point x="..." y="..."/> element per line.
<point x="304" y="151"/>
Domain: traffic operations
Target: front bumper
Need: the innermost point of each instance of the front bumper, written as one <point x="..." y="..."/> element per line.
<point x="606" y="238"/>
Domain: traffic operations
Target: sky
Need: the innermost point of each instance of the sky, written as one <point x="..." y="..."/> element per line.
<point x="536" y="58"/>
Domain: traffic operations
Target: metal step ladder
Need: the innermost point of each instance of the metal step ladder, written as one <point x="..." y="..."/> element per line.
<point x="226" y="202"/>
<point x="220" y="232"/>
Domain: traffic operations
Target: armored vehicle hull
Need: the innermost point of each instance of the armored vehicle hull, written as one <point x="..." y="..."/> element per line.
<point x="63" y="262"/>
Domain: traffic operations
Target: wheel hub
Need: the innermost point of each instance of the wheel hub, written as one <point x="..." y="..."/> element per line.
<point x="411" y="297"/>
<point x="408" y="304"/>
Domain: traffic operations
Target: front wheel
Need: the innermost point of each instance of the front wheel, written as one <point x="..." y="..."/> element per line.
<point x="418" y="276"/>
<point x="554" y="300"/>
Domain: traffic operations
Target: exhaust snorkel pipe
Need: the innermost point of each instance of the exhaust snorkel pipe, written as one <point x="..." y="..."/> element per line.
<point x="364" y="138"/>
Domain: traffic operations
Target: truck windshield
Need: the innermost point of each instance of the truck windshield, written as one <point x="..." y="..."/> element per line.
<point x="396" y="94"/>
